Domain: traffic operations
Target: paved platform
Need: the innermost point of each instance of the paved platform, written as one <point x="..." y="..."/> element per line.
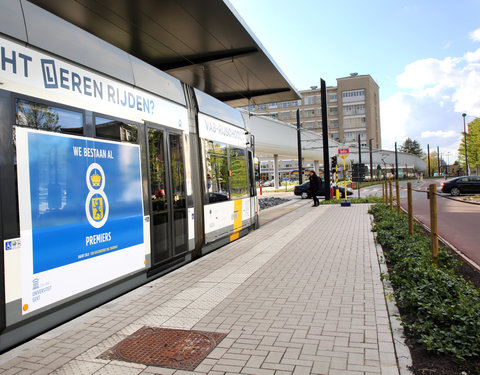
<point x="301" y="295"/>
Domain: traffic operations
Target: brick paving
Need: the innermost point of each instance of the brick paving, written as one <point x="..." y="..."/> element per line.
<point x="301" y="295"/>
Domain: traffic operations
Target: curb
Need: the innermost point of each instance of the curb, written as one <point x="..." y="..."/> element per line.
<point x="272" y="213"/>
<point x="402" y="352"/>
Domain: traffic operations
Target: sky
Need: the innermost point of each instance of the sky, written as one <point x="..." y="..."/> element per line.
<point x="423" y="54"/>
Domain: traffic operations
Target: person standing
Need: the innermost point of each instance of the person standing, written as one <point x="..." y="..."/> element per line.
<point x="314" y="188"/>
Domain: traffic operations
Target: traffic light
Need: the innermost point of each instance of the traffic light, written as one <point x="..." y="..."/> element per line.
<point x="334" y="162"/>
<point x="358" y="172"/>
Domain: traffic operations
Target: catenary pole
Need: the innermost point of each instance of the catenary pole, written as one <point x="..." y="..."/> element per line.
<point x="326" y="156"/>
<point x="359" y="173"/>
<point x="371" y="158"/>
<point x="428" y="153"/>
<point x="299" y="146"/>
<point x="438" y="160"/>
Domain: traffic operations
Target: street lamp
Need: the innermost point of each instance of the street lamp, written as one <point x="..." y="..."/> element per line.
<point x="448" y="161"/>
<point x="465" y="132"/>
<point x="371" y="158"/>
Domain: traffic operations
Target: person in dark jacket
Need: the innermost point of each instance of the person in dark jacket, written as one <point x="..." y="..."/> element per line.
<point x="314" y="187"/>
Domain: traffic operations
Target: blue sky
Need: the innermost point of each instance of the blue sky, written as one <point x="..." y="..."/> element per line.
<point x="424" y="55"/>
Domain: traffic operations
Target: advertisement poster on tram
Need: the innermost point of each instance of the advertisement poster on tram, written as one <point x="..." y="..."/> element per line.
<point x="81" y="214"/>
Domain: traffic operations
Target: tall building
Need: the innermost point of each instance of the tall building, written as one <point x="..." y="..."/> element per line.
<point x="353" y="109"/>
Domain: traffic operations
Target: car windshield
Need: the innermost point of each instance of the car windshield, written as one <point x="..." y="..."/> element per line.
<point x="451" y="180"/>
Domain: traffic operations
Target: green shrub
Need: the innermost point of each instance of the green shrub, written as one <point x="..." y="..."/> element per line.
<point x="367" y="199"/>
<point x="439" y="308"/>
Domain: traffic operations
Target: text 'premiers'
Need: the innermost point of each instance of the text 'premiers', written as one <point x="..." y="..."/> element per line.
<point x="98" y="238"/>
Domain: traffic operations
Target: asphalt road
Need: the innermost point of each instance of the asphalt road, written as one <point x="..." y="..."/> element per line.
<point x="458" y="222"/>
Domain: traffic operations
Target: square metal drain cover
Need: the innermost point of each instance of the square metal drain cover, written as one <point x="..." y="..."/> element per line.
<point x="171" y="348"/>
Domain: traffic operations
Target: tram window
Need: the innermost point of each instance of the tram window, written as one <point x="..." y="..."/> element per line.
<point x="46" y="117"/>
<point x="239" y="176"/>
<point x="217" y="172"/>
<point x="177" y="171"/>
<point x="115" y="130"/>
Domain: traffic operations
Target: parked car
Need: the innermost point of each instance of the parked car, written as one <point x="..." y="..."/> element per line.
<point x="304" y="190"/>
<point x="268" y="183"/>
<point x="217" y="197"/>
<point x="462" y="185"/>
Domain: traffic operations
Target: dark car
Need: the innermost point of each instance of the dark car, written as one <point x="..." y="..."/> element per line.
<point x="217" y="197"/>
<point x="462" y="185"/>
<point x="304" y="190"/>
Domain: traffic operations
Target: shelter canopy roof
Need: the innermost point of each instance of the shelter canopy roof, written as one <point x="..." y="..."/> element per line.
<point x="204" y="43"/>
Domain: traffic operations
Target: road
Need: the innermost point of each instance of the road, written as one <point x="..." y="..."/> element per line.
<point x="458" y="222"/>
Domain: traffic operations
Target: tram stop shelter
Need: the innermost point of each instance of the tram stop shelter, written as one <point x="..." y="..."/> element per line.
<point x="205" y="43"/>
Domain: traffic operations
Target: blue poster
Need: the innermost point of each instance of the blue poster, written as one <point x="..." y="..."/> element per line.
<point x="86" y="198"/>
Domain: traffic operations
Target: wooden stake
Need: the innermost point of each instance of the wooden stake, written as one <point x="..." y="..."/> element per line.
<point x="410" y="208"/>
<point x="383" y="192"/>
<point x="397" y="188"/>
<point x="391" y="195"/>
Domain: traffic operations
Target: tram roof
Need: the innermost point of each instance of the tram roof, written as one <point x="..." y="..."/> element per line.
<point x="205" y="44"/>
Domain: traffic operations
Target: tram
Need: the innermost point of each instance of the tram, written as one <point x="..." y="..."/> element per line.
<point x="112" y="174"/>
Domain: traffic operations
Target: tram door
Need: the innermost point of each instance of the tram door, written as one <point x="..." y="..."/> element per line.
<point x="168" y="197"/>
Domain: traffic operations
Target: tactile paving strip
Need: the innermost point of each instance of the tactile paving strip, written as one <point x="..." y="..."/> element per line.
<point x="171" y="348"/>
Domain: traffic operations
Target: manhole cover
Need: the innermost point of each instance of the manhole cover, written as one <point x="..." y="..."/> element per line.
<point x="172" y="348"/>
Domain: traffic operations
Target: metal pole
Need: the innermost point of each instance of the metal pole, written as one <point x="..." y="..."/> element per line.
<point x="326" y="157"/>
<point x="428" y="153"/>
<point x="359" y="172"/>
<point x="371" y="158"/>
<point x="299" y="146"/>
<point x="466" y="154"/>
<point x="438" y="160"/>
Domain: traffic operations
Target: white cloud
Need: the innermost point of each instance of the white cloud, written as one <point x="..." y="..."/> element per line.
<point x="473" y="56"/>
<point x="428" y="72"/>
<point x="475" y="35"/>
<point x="436" y="93"/>
<point x="438" y="133"/>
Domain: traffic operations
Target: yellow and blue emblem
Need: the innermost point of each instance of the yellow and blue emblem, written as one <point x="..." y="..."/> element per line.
<point x="97" y="208"/>
<point x="96" y="204"/>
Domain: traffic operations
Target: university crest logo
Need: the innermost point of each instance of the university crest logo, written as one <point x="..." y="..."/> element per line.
<point x="96" y="204"/>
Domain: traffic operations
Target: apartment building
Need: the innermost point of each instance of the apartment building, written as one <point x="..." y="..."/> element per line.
<point x="353" y="109"/>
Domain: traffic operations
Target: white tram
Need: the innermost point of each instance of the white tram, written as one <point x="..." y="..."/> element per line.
<point x="107" y="180"/>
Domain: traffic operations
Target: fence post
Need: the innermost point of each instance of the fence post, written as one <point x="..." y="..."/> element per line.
<point x="433" y="222"/>
<point x="410" y="208"/>
<point x="397" y="188"/>
<point x="385" y="183"/>
<point x="391" y="195"/>
<point x="383" y="192"/>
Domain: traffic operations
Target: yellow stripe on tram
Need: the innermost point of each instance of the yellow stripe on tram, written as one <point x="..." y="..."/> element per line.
<point x="237" y="221"/>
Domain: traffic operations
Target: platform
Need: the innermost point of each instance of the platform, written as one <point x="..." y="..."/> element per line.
<point x="300" y="295"/>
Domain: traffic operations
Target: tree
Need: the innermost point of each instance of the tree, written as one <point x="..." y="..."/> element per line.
<point x="38" y="116"/>
<point x="412" y="147"/>
<point x="473" y="146"/>
<point x="434" y="163"/>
